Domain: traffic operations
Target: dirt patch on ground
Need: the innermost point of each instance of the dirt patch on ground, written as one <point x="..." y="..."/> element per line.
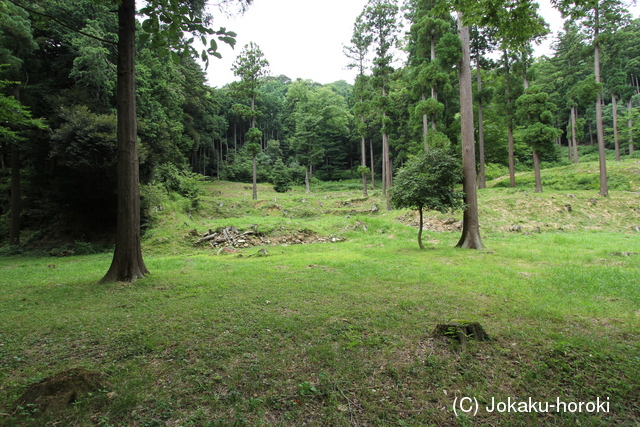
<point x="412" y="219"/>
<point x="55" y="393"/>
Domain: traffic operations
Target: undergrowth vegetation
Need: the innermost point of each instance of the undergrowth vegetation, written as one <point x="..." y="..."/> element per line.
<point x="339" y="333"/>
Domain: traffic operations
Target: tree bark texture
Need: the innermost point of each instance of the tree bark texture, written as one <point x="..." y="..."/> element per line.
<point x="420" y="228"/>
<point x="373" y="169"/>
<point x="425" y="127"/>
<point x="574" y="137"/>
<point x="482" y="181"/>
<point x="363" y="163"/>
<point x="255" y="178"/>
<point x="604" y="186"/>
<point x="470" y="224"/>
<point x="630" y="124"/>
<point x="616" y="137"/>
<point x="536" y="169"/>
<point x="127" y="264"/>
<point x="512" y="167"/>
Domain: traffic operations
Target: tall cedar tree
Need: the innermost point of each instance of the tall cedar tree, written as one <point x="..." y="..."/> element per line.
<point x="598" y="16"/>
<point x="251" y="67"/>
<point x="381" y="23"/>
<point x="515" y="24"/>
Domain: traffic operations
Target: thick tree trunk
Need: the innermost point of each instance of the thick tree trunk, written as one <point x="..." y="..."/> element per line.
<point x="470" y="224"/>
<point x="604" y="186"/>
<point x="481" y="179"/>
<point x="127" y="264"/>
<point x="616" y="137"/>
<point x="255" y="179"/>
<point x="420" y="228"/>
<point x="536" y="169"/>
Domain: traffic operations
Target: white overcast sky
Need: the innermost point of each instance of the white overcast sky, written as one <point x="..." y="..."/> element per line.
<point x="304" y="38"/>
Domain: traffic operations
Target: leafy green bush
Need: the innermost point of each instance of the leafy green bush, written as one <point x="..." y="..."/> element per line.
<point x="184" y="183"/>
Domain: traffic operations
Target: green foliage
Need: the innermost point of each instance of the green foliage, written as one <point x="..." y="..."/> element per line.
<point x="428" y="181"/>
<point x="281" y="177"/>
<point x="182" y="182"/>
<point x="534" y="112"/>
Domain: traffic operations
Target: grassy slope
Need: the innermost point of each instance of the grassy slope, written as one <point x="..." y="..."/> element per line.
<point x="339" y="333"/>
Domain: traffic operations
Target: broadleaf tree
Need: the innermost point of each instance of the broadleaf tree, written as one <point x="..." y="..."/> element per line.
<point x="428" y="182"/>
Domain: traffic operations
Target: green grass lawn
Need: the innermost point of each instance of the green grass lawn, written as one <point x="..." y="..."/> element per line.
<point x="339" y="334"/>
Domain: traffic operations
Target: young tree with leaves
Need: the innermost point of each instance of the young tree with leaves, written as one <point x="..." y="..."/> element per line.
<point x="535" y="115"/>
<point x="427" y="182"/>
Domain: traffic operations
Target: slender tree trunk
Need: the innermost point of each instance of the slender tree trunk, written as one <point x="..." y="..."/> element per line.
<point x="306" y="178"/>
<point x="512" y="168"/>
<point x="363" y="163"/>
<point x="616" y="137"/>
<point x="255" y="179"/>
<point x="481" y="179"/>
<point x="470" y="224"/>
<point x="604" y="187"/>
<point x="512" y="173"/>
<point x="536" y="169"/>
<point x="574" y="137"/>
<point x="235" y="137"/>
<point x="630" y="124"/>
<point x="373" y="169"/>
<point x="127" y="264"/>
<point x="434" y="92"/>
<point x="425" y="127"/>
<point x="420" y="228"/>
<point x="14" y="217"/>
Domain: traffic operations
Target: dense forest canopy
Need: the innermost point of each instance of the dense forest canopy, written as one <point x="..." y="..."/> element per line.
<point x="59" y="64"/>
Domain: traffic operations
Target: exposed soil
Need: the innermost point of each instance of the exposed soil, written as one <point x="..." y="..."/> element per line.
<point x="55" y="393"/>
<point x="412" y="219"/>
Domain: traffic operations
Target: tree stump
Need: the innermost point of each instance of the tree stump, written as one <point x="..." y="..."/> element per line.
<point x="461" y="331"/>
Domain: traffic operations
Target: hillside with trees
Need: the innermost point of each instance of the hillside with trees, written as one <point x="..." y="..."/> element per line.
<point x="457" y="224"/>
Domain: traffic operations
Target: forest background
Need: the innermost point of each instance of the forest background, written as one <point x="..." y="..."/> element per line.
<point x="188" y="130"/>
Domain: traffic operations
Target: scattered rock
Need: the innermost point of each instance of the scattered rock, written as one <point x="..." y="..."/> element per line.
<point x="592" y="201"/>
<point x="515" y="227"/>
<point x="567" y="207"/>
<point x="636" y="228"/>
<point x="374" y="208"/>
<point x="449" y="221"/>
<point x="536" y="230"/>
<point x="55" y="393"/>
<point x="228" y="250"/>
<point x="262" y="252"/>
<point x="624" y="253"/>
<point x="571" y="196"/>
